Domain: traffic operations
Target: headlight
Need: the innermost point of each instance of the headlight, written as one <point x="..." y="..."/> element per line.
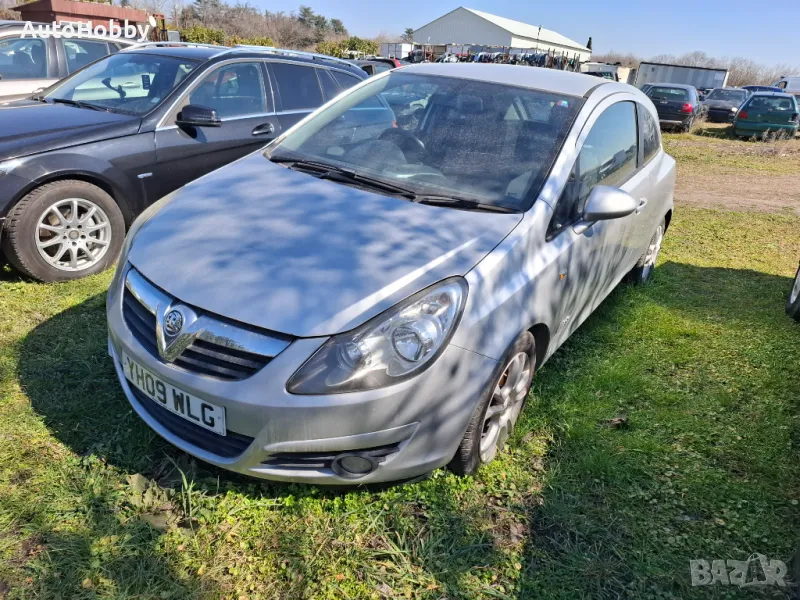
<point x="733" y="109"/>
<point x="395" y="345"/>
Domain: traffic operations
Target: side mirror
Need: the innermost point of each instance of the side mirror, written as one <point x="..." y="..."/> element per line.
<point x="606" y="203"/>
<point x="194" y="115"/>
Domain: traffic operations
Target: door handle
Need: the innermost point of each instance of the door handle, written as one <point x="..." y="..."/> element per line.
<point x="642" y="204"/>
<point x="265" y="129"/>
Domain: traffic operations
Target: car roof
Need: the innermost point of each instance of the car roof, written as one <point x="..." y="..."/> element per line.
<point x="191" y="52"/>
<point x="774" y="94"/>
<point x="548" y="80"/>
<point x="680" y="86"/>
<point x="204" y="53"/>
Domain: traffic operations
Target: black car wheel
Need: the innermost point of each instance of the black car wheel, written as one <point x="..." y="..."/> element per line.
<point x="496" y="414"/>
<point x="64" y="230"/>
<point x="793" y="303"/>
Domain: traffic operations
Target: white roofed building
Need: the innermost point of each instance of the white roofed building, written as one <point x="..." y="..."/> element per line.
<point x="469" y="27"/>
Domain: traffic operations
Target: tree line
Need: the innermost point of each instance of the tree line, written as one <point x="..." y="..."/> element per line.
<point x="741" y="70"/>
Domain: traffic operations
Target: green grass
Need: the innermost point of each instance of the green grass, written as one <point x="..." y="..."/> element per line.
<point x="702" y="363"/>
<point x="713" y="148"/>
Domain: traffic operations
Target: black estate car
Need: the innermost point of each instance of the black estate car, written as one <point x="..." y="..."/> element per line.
<point x="81" y="160"/>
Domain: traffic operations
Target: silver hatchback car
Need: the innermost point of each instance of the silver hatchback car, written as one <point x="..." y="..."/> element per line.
<point x="368" y="298"/>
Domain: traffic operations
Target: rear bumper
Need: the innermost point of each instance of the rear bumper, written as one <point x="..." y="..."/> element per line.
<point x="675" y="121"/>
<point x="746" y="128"/>
<point x="720" y="115"/>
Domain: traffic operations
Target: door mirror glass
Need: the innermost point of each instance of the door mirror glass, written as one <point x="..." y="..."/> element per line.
<point x="194" y="115"/>
<point x="607" y="203"/>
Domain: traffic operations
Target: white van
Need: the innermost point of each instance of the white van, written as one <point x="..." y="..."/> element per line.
<point x="790" y="85"/>
<point x="28" y="64"/>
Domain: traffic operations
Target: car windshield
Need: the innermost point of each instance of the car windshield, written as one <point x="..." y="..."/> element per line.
<point x="735" y="96"/>
<point x="668" y="93"/>
<point x="439" y="136"/>
<point x="125" y="82"/>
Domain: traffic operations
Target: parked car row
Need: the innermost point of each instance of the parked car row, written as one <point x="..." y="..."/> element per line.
<point x="752" y="111"/>
<point x="337" y="307"/>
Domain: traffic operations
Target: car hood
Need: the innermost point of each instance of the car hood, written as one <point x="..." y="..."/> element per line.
<point x="28" y="127"/>
<point x="285" y="251"/>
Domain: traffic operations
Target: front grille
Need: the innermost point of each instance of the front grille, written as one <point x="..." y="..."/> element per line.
<point x="202" y="356"/>
<point x="228" y="446"/>
<point x="324" y="460"/>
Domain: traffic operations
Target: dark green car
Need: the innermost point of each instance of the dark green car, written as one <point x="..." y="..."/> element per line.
<point x="767" y="112"/>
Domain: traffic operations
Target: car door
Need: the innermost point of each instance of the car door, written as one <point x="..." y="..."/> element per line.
<point x="592" y="261"/>
<point x="26" y="64"/>
<point x="297" y="90"/>
<point x="655" y="197"/>
<point x="238" y="91"/>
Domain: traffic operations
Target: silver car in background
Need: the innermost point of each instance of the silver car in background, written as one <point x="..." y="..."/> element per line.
<point x="369" y="297"/>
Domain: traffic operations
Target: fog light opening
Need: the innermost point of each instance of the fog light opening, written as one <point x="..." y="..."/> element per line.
<point x="353" y="465"/>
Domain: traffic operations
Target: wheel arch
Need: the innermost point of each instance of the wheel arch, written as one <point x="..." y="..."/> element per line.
<point x="541" y="337"/>
<point x="88" y="177"/>
<point x="667" y="219"/>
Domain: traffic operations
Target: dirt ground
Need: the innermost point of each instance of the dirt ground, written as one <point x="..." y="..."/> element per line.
<point x="762" y="192"/>
<point x="717" y="171"/>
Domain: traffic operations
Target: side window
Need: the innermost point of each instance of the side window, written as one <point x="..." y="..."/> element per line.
<point x="608" y="157"/>
<point x="651" y="140"/>
<point x="344" y="80"/>
<point x="329" y="88"/>
<point x="298" y="86"/>
<point x="23" y="58"/>
<point x="235" y="90"/>
<point x="81" y="52"/>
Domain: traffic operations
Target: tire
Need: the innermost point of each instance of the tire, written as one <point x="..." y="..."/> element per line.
<point x="793" y="302"/>
<point x="45" y="241"/>
<point x="646" y="264"/>
<point x="483" y="439"/>
<point x="687" y="127"/>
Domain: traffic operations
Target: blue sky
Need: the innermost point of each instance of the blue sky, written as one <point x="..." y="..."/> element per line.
<point x="767" y="32"/>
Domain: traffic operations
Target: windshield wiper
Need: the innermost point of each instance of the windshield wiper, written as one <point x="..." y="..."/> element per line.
<point x="342" y="175"/>
<point x="465" y="203"/>
<point x="333" y="173"/>
<point x="81" y="104"/>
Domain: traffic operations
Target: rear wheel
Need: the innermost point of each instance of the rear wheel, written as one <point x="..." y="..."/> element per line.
<point x="793" y="303"/>
<point x="644" y="267"/>
<point x="64" y="230"/>
<point x="494" y="418"/>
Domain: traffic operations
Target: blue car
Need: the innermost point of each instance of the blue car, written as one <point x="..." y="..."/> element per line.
<point x="761" y="88"/>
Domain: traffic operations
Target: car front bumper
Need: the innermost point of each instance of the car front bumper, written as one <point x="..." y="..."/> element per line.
<point x="720" y="115"/>
<point x="417" y="424"/>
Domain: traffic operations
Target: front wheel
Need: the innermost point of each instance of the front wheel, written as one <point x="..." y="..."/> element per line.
<point x="793" y="303"/>
<point x="64" y="230"/>
<point x="643" y="268"/>
<point x="494" y="418"/>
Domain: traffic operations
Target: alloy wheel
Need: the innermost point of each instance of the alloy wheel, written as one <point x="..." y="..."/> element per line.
<point x="505" y="405"/>
<point x="73" y="234"/>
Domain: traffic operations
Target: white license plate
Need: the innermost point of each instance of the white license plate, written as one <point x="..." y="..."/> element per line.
<point x="202" y="413"/>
